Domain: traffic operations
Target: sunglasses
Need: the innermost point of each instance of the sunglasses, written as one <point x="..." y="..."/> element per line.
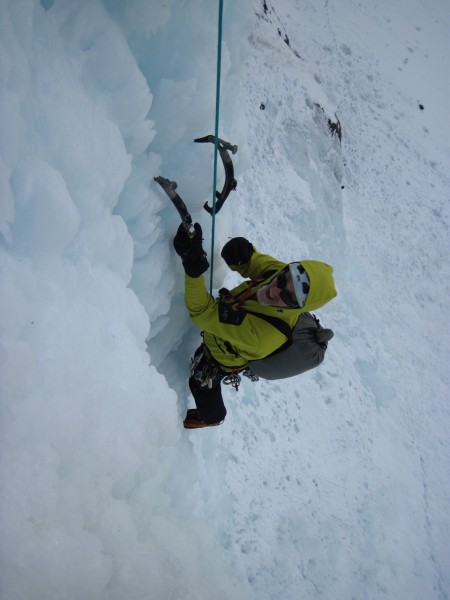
<point x="285" y="295"/>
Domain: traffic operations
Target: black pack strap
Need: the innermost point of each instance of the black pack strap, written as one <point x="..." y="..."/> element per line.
<point x="279" y="324"/>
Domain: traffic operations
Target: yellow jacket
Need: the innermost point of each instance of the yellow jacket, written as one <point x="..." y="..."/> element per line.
<point x="234" y="337"/>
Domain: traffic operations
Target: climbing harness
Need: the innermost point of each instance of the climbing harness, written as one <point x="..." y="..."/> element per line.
<point x="207" y="371"/>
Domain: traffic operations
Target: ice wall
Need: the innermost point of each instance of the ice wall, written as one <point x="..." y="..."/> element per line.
<point x="89" y="428"/>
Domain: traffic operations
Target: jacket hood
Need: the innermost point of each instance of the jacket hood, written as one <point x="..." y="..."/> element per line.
<point x="321" y="288"/>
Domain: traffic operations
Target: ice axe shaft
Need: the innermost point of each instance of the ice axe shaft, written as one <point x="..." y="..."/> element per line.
<point x="169" y="187"/>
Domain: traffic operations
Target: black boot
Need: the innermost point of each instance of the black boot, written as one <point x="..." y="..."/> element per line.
<point x="193" y="421"/>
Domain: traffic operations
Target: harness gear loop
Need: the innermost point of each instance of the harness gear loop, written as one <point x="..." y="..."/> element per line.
<point x="233" y="379"/>
<point x="204" y="368"/>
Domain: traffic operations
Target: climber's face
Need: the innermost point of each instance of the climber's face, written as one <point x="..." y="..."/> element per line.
<point x="279" y="292"/>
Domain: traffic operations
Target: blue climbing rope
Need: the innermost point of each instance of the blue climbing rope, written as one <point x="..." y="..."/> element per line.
<point x="216" y="142"/>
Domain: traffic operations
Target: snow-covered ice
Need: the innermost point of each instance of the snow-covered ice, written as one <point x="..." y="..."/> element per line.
<point x="331" y="485"/>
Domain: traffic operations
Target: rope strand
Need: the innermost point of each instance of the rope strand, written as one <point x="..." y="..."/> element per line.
<point x="216" y="141"/>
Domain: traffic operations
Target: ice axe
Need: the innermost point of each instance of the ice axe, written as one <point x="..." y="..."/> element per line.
<point x="230" y="182"/>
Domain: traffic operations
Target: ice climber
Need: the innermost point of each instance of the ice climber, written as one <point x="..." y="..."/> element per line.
<point x="236" y="328"/>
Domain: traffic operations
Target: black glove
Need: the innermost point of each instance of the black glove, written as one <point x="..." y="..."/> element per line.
<point x="195" y="261"/>
<point x="237" y="251"/>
